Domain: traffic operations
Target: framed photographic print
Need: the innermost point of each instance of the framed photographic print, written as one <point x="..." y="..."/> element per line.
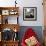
<point x="5" y="12"/>
<point x="29" y="13"/>
<point x="13" y="20"/>
<point x="7" y="34"/>
<point x="13" y="12"/>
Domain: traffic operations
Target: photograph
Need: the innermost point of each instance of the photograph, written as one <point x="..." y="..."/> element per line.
<point x="29" y="13"/>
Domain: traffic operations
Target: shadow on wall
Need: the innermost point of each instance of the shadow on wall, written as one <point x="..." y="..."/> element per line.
<point x="37" y="29"/>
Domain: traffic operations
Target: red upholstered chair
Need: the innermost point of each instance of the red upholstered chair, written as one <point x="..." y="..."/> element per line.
<point x="28" y="34"/>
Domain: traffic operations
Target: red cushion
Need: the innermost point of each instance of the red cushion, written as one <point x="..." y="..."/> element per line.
<point x="29" y="33"/>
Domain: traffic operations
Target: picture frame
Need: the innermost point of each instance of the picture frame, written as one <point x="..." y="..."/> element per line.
<point x="10" y="20"/>
<point x="13" y="20"/>
<point x="7" y="34"/>
<point x="29" y="13"/>
<point x="13" y="12"/>
<point x="5" y="12"/>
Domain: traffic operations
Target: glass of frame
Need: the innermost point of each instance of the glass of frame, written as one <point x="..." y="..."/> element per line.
<point x="29" y="13"/>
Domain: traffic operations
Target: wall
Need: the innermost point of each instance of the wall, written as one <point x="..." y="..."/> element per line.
<point x="26" y="3"/>
<point x="30" y="3"/>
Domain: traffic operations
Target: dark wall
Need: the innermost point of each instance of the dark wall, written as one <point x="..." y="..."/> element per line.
<point x="37" y="29"/>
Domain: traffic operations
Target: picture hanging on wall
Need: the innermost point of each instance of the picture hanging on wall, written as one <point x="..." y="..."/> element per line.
<point x="30" y="13"/>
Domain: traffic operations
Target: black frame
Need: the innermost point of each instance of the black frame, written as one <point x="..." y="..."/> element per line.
<point x="30" y="18"/>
